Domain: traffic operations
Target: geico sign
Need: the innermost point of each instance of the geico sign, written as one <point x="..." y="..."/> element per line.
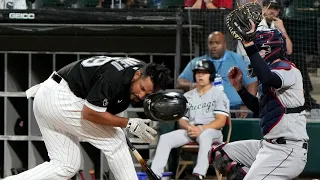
<point x="22" y="16"/>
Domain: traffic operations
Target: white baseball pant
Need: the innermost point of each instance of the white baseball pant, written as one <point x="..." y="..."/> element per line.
<point x="180" y="137"/>
<point x="268" y="161"/>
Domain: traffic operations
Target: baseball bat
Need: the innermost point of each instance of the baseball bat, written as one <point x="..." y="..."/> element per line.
<point x="91" y="172"/>
<point x="81" y="174"/>
<point x="145" y="167"/>
<point x="106" y="175"/>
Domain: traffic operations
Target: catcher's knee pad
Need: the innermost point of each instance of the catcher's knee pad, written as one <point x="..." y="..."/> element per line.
<point x="235" y="171"/>
<point x="219" y="159"/>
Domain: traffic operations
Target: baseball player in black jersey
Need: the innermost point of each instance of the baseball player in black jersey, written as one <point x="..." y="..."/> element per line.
<point x="81" y="100"/>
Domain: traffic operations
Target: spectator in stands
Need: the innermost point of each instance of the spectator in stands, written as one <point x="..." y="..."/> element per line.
<point x="208" y="4"/>
<point x="223" y="60"/>
<point x="271" y="10"/>
<point x="13" y="4"/>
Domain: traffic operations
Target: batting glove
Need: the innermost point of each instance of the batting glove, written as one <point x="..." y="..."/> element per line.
<point x="138" y="127"/>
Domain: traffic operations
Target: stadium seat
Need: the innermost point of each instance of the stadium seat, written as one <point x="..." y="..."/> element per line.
<point x="86" y="3"/>
<point x="172" y="3"/>
<point x="193" y="148"/>
<point x="50" y="3"/>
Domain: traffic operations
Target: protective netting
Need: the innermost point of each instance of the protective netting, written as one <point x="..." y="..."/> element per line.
<point x="195" y="19"/>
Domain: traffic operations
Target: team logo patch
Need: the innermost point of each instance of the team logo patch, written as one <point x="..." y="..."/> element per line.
<point x="105" y="102"/>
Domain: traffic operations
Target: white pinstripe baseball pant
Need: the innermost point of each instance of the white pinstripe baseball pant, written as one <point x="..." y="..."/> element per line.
<point x="58" y="114"/>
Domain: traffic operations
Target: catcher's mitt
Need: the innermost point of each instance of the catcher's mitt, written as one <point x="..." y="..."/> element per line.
<point x="238" y="21"/>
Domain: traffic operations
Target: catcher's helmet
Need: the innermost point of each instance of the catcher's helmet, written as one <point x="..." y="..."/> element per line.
<point x="165" y="106"/>
<point x="206" y="65"/>
<point x="273" y="42"/>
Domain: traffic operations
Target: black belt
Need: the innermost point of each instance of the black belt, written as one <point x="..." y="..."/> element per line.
<point x="281" y="140"/>
<point x="56" y="78"/>
<point x="294" y="110"/>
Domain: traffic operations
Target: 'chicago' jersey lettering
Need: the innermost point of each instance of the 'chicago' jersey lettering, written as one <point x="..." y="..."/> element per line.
<point x="202" y="109"/>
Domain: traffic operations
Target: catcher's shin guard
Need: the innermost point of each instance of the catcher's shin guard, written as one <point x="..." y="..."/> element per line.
<point x="219" y="159"/>
<point x="235" y="172"/>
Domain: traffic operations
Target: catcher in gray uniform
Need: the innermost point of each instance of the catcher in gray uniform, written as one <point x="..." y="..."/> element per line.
<point x="282" y="154"/>
<point x="208" y="112"/>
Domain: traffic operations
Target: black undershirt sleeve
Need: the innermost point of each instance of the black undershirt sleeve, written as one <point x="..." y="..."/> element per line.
<point x="261" y="69"/>
<point x="249" y="100"/>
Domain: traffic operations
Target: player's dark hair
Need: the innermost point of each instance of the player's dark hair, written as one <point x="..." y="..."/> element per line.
<point x="159" y="74"/>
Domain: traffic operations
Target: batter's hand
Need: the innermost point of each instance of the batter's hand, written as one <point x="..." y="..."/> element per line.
<point x="138" y="127"/>
<point x="235" y="77"/>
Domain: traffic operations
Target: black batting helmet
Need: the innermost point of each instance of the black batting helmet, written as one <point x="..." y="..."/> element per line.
<point x="165" y="106"/>
<point x="205" y="65"/>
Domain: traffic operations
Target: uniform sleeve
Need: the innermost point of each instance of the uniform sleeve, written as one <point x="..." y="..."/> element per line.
<point x="187" y="72"/>
<point x="100" y="95"/>
<point x="222" y="105"/>
<point x="187" y="115"/>
<point x="243" y="65"/>
<point x="287" y="77"/>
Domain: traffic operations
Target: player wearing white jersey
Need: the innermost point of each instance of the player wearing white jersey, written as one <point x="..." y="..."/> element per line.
<point x="282" y="154"/>
<point x="81" y="100"/>
<point x="207" y="114"/>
